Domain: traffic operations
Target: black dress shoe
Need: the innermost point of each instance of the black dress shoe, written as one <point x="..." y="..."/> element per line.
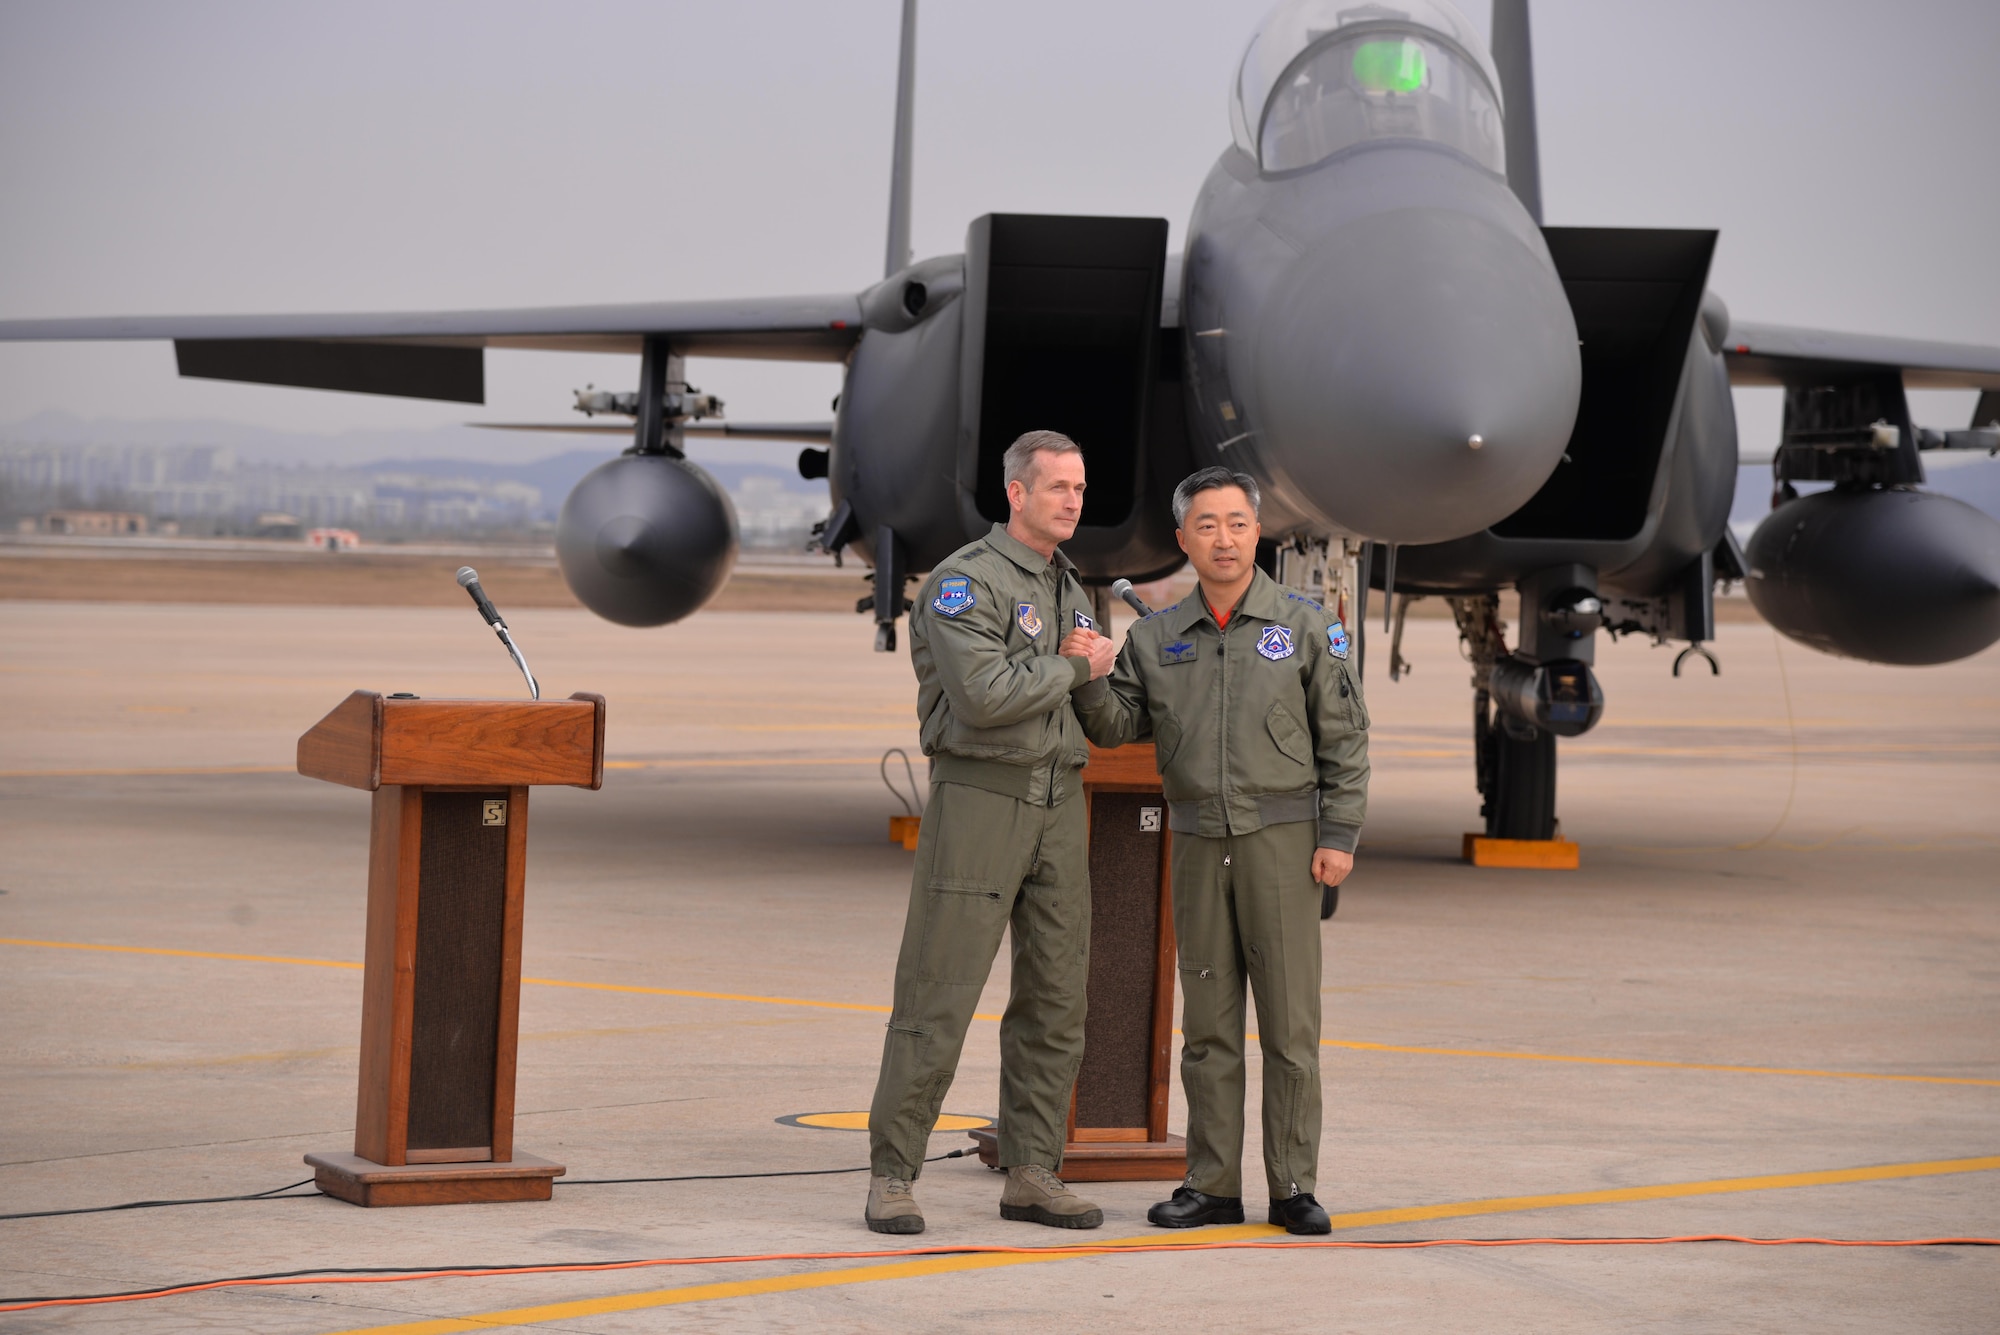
<point x="1300" y="1214"/>
<point x="1191" y="1209"/>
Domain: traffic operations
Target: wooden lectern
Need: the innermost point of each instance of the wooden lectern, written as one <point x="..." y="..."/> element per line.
<point x="441" y="991"/>
<point x="1118" y="1115"/>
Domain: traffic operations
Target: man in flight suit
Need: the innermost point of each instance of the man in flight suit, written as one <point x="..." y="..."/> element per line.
<point x="1262" y="744"/>
<point x="1001" y="844"/>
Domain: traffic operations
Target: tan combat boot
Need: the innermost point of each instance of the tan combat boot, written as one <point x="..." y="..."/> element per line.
<point x="891" y="1206"/>
<point x="1037" y="1196"/>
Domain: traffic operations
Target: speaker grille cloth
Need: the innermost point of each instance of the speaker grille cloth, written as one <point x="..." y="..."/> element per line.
<point x="1115" y="1086"/>
<point x="461" y="904"/>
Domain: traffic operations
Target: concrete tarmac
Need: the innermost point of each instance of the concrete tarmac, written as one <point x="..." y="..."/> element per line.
<point x="1768" y="1004"/>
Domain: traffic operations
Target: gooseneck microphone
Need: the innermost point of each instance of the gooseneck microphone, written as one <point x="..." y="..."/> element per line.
<point x="468" y="579"/>
<point x="1123" y="588"/>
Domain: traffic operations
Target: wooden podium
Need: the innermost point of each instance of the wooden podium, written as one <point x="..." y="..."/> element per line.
<point x="1118" y="1115"/>
<point x="441" y="991"/>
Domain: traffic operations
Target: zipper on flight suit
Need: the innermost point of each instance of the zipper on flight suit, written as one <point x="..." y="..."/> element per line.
<point x="1222" y="716"/>
<point x="1054" y="644"/>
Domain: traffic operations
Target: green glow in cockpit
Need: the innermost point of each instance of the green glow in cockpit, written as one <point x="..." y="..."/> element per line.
<point x="1395" y="66"/>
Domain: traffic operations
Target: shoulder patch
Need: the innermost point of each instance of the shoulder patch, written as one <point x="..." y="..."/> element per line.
<point x="1276" y="643"/>
<point x="1029" y="619"/>
<point x="1178" y="651"/>
<point x="954" y="595"/>
<point x="1336" y="639"/>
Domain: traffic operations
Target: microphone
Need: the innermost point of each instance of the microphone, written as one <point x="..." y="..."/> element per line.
<point x="1123" y="588"/>
<point x="468" y="579"/>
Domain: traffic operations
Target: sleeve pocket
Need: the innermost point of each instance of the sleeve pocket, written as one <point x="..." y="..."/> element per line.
<point x="1289" y="734"/>
<point x="1357" y="709"/>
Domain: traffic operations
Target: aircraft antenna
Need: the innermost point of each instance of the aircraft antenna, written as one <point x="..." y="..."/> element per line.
<point x="899" y="163"/>
<point x="1514" y="53"/>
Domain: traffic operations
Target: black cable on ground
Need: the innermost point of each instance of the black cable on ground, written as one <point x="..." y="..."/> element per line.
<point x="273" y="1193"/>
<point x="731" y="1177"/>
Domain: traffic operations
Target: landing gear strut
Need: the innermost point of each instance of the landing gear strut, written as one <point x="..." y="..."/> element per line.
<point x="1515" y="762"/>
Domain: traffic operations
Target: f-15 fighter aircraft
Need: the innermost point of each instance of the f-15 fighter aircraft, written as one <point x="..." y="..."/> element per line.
<point x="1440" y="394"/>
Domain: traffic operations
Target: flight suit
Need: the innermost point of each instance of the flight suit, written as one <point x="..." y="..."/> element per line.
<point x="1002" y="843"/>
<point x="1262" y="744"/>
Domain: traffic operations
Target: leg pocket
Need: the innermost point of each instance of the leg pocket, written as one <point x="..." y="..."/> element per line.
<point x="962" y="930"/>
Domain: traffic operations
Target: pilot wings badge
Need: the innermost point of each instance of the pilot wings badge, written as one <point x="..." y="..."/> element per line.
<point x="1030" y="619"/>
<point x="1275" y="643"/>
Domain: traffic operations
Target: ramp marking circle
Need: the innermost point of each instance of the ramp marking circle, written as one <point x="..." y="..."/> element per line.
<point x="858" y="1121"/>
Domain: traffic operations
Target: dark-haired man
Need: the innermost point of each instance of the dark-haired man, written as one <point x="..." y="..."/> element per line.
<point x="1262" y="744"/>
<point x="1001" y="845"/>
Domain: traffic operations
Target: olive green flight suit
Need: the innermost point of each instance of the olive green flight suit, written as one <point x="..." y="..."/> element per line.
<point x="1262" y="743"/>
<point x="1002" y="843"/>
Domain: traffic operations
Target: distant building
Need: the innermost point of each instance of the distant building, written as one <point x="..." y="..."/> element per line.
<point x="333" y="539"/>
<point x="278" y="524"/>
<point x="94" y="523"/>
<point x="770" y="514"/>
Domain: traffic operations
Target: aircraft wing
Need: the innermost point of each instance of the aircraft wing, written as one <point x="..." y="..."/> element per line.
<point x="821" y="432"/>
<point x="1770" y="354"/>
<point x="439" y="354"/>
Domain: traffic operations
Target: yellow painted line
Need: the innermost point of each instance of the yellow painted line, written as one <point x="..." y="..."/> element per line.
<point x="726" y="996"/>
<point x="937" y="1265"/>
<point x="871" y="1008"/>
<point x="741" y="762"/>
<point x="144" y="773"/>
<point x="1641" y="1061"/>
<point x="538" y="982"/>
<point x="182" y="954"/>
<point x="235" y="1059"/>
<point x="711" y="996"/>
<point x="719" y="762"/>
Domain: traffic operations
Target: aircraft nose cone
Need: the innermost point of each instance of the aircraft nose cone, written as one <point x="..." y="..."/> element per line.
<point x="1418" y="375"/>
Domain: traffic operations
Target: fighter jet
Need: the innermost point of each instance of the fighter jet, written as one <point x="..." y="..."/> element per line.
<point x="1439" y="394"/>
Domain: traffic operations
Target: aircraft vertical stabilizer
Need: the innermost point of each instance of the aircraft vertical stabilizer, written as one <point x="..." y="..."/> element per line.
<point x="899" y="162"/>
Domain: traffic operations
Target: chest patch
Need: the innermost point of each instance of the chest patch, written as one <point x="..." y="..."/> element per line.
<point x="1178" y="651"/>
<point x="1276" y="643"/>
<point x="1336" y="640"/>
<point x="1030" y="619"/>
<point x="954" y="595"/>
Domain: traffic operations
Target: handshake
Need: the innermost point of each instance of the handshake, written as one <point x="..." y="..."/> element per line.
<point x="1083" y="642"/>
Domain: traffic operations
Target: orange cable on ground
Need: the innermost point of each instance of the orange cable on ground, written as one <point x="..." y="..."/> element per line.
<point x="581" y="1267"/>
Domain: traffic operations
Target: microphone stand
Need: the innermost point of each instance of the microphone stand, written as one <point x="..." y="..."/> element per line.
<point x="468" y="579"/>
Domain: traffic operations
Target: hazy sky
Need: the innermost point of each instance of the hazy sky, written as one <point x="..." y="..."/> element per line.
<point x="179" y="157"/>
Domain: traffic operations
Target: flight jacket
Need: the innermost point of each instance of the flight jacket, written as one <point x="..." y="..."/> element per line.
<point x="1260" y="723"/>
<point x="993" y="695"/>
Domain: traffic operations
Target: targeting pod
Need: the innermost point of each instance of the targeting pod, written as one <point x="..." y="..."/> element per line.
<point x="1560" y="697"/>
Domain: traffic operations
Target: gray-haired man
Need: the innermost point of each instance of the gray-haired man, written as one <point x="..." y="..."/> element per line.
<point x="1262" y="744"/>
<point x="1001" y="844"/>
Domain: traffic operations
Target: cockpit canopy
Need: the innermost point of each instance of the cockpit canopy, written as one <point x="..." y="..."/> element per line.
<point x="1321" y="75"/>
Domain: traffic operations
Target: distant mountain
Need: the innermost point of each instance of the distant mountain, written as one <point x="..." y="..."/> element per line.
<point x="448" y="458"/>
<point x="462" y="445"/>
<point x="266" y="445"/>
<point x="557" y="474"/>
